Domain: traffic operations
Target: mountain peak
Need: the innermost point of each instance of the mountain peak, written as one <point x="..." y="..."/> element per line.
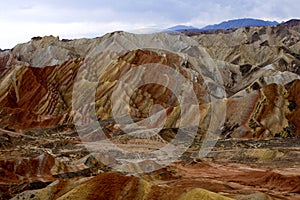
<point x="292" y="22"/>
<point x="180" y="28"/>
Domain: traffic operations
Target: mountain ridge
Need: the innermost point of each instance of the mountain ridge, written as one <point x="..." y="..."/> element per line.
<point x="238" y="23"/>
<point x="225" y="25"/>
<point x="53" y="90"/>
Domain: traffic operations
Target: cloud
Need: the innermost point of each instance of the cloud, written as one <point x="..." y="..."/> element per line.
<point x="21" y="20"/>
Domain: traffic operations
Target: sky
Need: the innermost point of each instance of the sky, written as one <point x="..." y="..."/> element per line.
<point x="20" y="20"/>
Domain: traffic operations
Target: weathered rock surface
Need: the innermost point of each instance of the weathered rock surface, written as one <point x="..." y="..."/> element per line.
<point x="252" y="47"/>
<point x="267" y="112"/>
<point x="239" y="87"/>
<point x="117" y="186"/>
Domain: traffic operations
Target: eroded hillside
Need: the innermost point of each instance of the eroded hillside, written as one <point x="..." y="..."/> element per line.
<point x="186" y="115"/>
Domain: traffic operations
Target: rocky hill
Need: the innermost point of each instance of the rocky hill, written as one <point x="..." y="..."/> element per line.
<point x="186" y="115"/>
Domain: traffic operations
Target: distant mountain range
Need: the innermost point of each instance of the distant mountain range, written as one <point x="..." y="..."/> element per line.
<point x="235" y="23"/>
<point x="182" y="28"/>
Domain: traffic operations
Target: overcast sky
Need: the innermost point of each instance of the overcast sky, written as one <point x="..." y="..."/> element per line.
<point x="21" y="20"/>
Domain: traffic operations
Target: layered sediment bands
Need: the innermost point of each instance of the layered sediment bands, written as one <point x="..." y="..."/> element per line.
<point x="246" y="78"/>
<point x="46" y="51"/>
<point x="236" y="169"/>
<point x="37" y="97"/>
<point x="29" y="173"/>
<point x="50" y="88"/>
<point x="204" y="180"/>
<point x="164" y="90"/>
<point x="293" y="107"/>
<point x="268" y="112"/>
<point x="117" y="186"/>
<point x="238" y="176"/>
<point x="256" y="46"/>
<point x="42" y="97"/>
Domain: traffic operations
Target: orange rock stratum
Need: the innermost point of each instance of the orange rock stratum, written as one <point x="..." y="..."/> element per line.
<point x="212" y="115"/>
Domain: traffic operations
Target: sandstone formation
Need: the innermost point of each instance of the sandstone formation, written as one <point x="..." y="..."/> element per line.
<point x="231" y="95"/>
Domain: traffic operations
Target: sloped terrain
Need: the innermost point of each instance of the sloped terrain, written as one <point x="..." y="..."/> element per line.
<point x="162" y="116"/>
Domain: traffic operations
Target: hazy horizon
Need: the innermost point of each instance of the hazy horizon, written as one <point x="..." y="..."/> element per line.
<point x="23" y="20"/>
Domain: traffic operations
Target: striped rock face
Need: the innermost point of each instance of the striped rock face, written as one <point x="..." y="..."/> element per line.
<point x="42" y="97"/>
<point x="71" y="111"/>
<point x="37" y="97"/>
<point x="268" y="112"/>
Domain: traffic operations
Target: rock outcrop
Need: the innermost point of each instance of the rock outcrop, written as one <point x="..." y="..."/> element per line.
<point x="76" y="113"/>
